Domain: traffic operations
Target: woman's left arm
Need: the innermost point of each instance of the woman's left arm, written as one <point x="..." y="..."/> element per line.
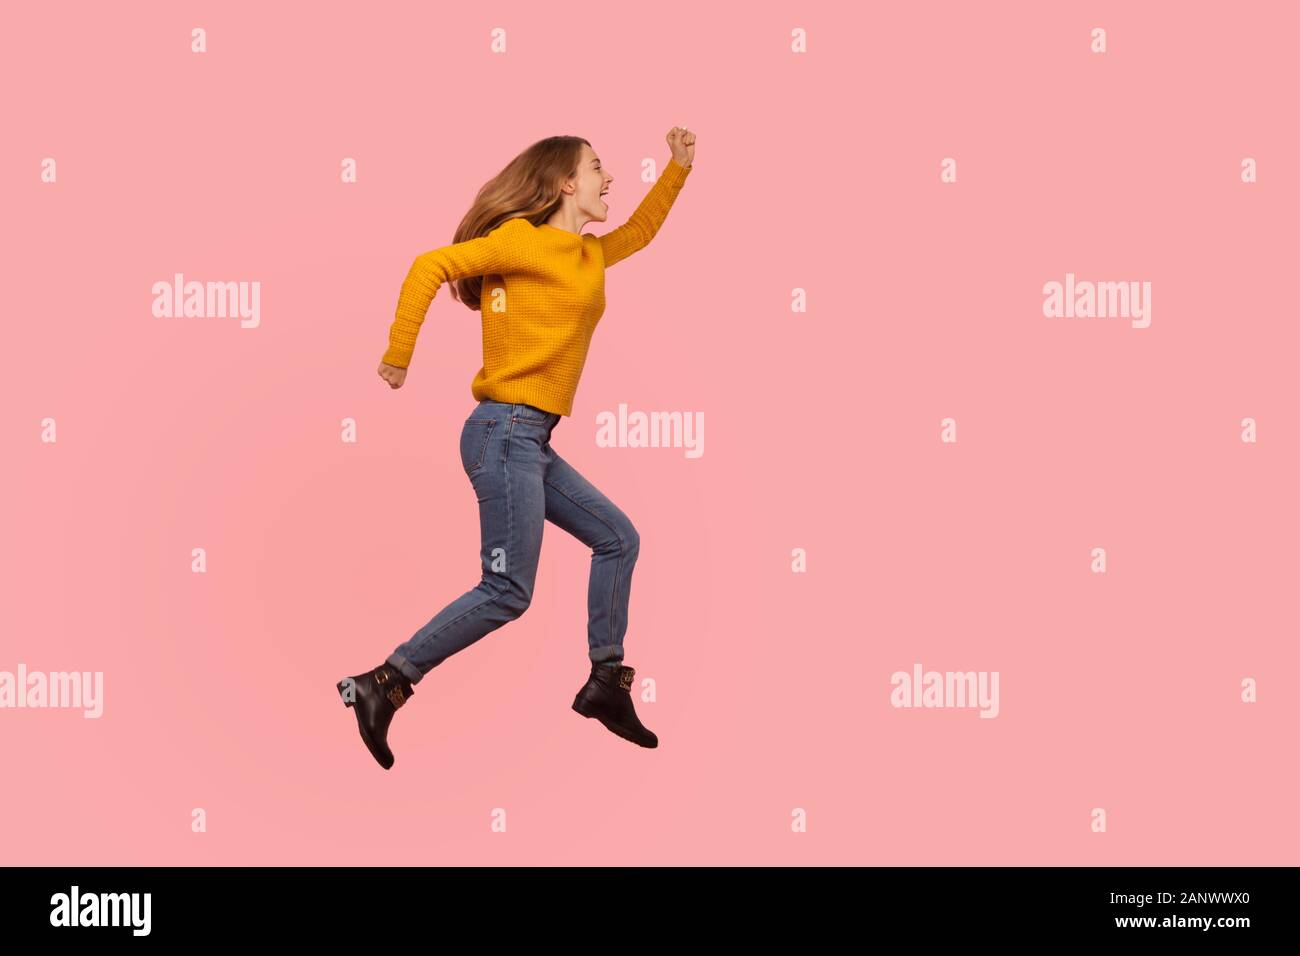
<point x="642" y="225"/>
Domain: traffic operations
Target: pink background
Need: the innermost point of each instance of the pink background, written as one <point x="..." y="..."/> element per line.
<point x="817" y="171"/>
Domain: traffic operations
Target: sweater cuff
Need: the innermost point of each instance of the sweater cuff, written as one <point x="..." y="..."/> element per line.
<point x="675" y="172"/>
<point x="398" y="358"/>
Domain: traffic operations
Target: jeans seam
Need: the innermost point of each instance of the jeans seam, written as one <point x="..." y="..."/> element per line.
<point x="618" y="569"/>
<point x="510" y="507"/>
<point x="496" y="595"/>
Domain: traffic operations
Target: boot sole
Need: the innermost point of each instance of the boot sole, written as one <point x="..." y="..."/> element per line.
<point x="582" y="707"/>
<point x="361" y="728"/>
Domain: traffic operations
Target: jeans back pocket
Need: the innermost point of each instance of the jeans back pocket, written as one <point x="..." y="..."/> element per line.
<point x="473" y="443"/>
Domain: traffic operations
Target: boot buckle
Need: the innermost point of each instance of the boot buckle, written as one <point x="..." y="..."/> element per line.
<point x="625" y="678"/>
<point x="395" y="695"/>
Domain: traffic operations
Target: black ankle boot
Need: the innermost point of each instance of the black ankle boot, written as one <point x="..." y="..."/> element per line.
<point x="607" y="696"/>
<point x="374" y="697"/>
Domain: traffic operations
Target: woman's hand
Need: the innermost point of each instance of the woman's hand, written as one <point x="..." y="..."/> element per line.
<point x="391" y="374"/>
<point x="682" y="142"/>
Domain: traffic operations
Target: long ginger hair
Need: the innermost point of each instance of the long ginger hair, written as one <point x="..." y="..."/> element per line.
<point x="528" y="188"/>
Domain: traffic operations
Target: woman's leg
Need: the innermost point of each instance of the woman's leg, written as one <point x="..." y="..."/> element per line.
<point x="577" y="506"/>
<point x="504" y="460"/>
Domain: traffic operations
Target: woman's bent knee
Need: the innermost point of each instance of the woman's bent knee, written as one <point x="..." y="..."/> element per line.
<point x="514" y="597"/>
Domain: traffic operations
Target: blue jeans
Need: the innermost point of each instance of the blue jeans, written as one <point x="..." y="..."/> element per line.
<point x="520" y="483"/>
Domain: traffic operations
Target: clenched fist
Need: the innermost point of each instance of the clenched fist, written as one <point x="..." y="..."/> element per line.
<point x="391" y="374"/>
<point x="682" y="142"/>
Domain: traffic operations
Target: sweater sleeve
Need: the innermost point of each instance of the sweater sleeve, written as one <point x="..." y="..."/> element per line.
<point x="645" y="221"/>
<point x="501" y="251"/>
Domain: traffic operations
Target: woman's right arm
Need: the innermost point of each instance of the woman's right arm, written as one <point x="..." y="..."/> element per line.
<point x="501" y="251"/>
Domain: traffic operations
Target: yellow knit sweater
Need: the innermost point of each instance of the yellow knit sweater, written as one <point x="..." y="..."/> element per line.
<point x="543" y="293"/>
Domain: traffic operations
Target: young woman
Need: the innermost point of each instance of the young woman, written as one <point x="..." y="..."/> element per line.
<point x="520" y="258"/>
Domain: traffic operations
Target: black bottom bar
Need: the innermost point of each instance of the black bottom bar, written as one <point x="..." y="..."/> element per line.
<point x="214" y="904"/>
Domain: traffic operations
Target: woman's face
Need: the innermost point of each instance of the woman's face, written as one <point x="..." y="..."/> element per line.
<point x="590" y="182"/>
